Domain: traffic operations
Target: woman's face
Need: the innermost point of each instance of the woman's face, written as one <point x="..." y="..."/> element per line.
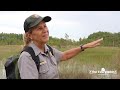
<point x="40" y="34"/>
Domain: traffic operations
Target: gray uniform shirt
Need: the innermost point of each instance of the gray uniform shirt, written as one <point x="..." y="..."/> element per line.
<point x="48" y="64"/>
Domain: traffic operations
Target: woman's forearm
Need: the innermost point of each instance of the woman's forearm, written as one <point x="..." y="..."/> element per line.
<point x="75" y="51"/>
<point x="71" y="53"/>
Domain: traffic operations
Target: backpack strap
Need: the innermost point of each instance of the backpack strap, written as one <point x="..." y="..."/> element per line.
<point x="51" y="50"/>
<point x="32" y="53"/>
<point x="35" y="58"/>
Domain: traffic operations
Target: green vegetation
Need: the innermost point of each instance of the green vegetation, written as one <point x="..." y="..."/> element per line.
<point x="11" y="39"/>
<point x="79" y="66"/>
<point x="106" y="56"/>
<point x="110" y="39"/>
<point x="91" y="59"/>
<point x="9" y="50"/>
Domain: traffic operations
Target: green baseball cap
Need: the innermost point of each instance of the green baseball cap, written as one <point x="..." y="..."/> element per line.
<point x="34" y="20"/>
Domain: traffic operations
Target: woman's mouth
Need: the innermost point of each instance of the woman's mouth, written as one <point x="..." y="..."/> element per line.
<point x="45" y="36"/>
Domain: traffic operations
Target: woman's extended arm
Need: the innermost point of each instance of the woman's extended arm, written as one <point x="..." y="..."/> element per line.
<point x="74" y="51"/>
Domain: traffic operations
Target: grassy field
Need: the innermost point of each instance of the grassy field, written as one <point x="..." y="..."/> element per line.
<point x="79" y="67"/>
<point x="92" y="59"/>
<point x="5" y="52"/>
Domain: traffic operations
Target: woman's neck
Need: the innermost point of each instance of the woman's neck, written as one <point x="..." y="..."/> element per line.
<point x="41" y="46"/>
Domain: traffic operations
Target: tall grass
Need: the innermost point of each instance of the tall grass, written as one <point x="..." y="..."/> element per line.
<point x="91" y="59"/>
<point x="79" y="66"/>
<point x="9" y="50"/>
<point x="5" y="52"/>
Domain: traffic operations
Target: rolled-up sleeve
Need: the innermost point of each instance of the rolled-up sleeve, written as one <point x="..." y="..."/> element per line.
<point x="27" y="67"/>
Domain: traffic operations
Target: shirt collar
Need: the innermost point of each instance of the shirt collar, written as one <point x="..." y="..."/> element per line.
<point x="37" y="50"/>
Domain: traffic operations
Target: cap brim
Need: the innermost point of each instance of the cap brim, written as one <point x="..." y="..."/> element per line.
<point x="47" y="19"/>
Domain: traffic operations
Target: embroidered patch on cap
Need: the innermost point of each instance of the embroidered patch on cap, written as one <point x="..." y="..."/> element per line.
<point x="35" y="16"/>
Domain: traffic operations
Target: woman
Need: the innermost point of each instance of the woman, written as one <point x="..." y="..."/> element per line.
<point x="36" y="36"/>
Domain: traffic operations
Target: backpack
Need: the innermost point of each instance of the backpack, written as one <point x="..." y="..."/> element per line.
<point x="11" y="66"/>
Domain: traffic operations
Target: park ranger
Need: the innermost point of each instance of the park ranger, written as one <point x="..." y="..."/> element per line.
<point x="37" y="36"/>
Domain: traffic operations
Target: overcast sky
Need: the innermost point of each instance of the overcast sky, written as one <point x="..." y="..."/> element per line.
<point x="75" y="23"/>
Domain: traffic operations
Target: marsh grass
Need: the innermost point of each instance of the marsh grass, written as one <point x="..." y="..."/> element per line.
<point x="79" y="66"/>
<point x="5" y="52"/>
<point x="8" y="50"/>
<point x="92" y="59"/>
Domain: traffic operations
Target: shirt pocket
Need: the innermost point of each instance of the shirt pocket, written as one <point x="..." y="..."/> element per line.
<point x="44" y="68"/>
<point x="54" y="60"/>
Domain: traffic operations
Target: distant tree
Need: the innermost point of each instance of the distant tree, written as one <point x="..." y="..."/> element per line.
<point x="110" y="39"/>
<point x="66" y="36"/>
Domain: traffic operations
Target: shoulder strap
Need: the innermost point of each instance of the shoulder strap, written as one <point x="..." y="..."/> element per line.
<point x="51" y="50"/>
<point x="35" y="58"/>
<point x="32" y="53"/>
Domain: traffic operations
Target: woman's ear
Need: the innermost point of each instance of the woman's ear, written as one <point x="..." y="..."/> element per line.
<point x="30" y="36"/>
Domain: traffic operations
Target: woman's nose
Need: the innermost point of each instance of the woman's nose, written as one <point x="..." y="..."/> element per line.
<point x="45" y="30"/>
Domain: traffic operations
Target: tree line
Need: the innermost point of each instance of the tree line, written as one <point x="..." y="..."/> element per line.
<point x="11" y="39"/>
<point x="110" y="39"/>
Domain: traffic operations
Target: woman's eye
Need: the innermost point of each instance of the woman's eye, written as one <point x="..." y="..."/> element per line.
<point x="39" y="28"/>
<point x="45" y="26"/>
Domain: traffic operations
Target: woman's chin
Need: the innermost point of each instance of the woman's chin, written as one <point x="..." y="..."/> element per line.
<point x="46" y="40"/>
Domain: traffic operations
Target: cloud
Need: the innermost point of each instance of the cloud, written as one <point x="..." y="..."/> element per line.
<point x="75" y="23"/>
<point x="10" y="30"/>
